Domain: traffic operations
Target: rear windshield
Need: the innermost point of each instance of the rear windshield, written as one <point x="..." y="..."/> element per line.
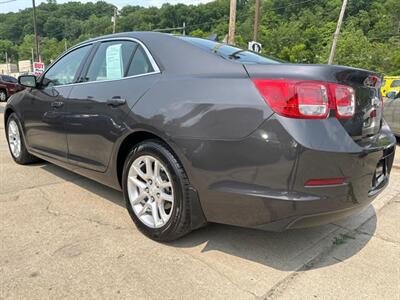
<point x="230" y="52"/>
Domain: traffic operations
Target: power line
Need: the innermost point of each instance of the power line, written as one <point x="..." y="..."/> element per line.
<point x="226" y="18"/>
<point x="293" y="4"/>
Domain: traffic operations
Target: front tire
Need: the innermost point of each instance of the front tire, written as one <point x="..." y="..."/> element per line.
<point x="156" y="191"/>
<point x="16" y="142"/>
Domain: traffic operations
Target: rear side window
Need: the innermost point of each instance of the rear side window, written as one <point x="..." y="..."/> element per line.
<point x="140" y="63"/>
<point x="111" y="60"/>
<point x="395" y="83"/>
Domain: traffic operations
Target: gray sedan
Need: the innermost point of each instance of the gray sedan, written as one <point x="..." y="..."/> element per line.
<point x="194" y="131"/>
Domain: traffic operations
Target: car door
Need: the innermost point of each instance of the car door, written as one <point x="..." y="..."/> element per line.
<point x="119" y="73"/>
<point x="44" y="106"/>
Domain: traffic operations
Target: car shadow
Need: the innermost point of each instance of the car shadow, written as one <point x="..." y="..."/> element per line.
<point x="285" y="251"/>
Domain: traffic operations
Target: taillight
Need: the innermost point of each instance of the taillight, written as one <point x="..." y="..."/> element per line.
<point x="345" y="100"/>
<point x="307" y="99"/>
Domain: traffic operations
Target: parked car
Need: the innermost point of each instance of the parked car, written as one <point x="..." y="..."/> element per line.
<point x="194" y="131"/>
<point x="8" y="86"/>
<point x="392" y="112"/>
<point x="390" y="84"/>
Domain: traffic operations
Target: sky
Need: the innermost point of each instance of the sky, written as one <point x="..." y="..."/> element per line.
<point x="15" y="5"/>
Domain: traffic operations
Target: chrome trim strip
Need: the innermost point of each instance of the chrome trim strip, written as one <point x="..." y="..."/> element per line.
<point x="90" y="42"/>
<point x="108" y="80"/>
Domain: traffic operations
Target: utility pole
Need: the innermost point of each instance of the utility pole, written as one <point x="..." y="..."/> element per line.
<point x="337" y="33"/>
<point x="184" y="29"/>
<point x="232" y="23"/>
<point x="256" y="20"/>
<point x="114" y="19"/>
<point x="7" y="65"/>
<point x="35" y="31"/>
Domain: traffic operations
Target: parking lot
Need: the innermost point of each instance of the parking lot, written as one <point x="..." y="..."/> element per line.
<point x="65" y="236"/>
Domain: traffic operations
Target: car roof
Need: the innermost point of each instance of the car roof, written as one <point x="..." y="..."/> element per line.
<point x="175" y="55"/>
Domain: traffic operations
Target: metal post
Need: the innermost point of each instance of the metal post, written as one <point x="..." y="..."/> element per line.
<point x="256" y="20"/>
<point x="184" y="29"/>
<point x="115" y="19"/>
<point x="7" y="66"/>
<point x="35" y="31"/>
<point x="33" y="59"/>
<point x="232" y="23"/>
<point x="337" y="33"/>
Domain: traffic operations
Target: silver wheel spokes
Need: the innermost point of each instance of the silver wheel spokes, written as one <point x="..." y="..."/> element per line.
<point x="14" y="138"/>
<point x="150" y="191"/>
<point x="2" y="96"/>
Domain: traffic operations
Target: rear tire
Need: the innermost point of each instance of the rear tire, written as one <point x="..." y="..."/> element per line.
<point x="151" y="175"/>
<point x="16" y="143"/>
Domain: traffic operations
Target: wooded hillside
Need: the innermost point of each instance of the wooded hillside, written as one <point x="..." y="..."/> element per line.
<point x="292" y="30"/>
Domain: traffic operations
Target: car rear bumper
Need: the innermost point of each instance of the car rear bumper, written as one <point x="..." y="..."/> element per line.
<point x="339" y="208"/>
<point x="260" y="182"/>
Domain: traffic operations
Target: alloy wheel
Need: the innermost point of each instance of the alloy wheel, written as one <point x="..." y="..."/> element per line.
<point x="150" y="191"/>
<point x="14" y="138"/>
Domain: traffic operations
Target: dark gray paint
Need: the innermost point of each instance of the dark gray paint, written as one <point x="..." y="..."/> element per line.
<point x="247" y="164"/>
<point x="44" y="121"/>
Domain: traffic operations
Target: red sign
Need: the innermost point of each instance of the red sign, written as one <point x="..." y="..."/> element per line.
<point x="38" y="68"/>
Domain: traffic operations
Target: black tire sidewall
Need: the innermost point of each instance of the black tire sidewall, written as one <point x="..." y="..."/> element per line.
<point x="160" y="152"/>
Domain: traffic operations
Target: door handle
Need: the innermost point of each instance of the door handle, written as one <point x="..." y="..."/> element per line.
<point x="57" y="104"/>
<point x="116" y="101"/>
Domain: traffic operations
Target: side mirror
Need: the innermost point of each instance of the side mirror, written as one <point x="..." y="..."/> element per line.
<point x="27" y="81"/>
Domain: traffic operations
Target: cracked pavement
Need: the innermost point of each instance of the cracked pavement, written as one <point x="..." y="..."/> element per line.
<point x="65" y="236"/>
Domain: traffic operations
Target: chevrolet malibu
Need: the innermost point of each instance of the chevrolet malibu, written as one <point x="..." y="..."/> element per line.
<point x="194" y="131"/>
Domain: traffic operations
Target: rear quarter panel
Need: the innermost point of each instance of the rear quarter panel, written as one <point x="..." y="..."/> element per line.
<point x="203" y="107"/>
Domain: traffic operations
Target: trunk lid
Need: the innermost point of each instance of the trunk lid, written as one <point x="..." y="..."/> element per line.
<point x="367" y="120"/>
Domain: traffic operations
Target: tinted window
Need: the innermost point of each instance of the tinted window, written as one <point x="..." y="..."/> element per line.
<point x="140" y="64"/>
<point x="111" y="60"/>
<point x="230" y="52"/>
<point x="395" y="83"/>
<point x="9" y="79"/>
<point x="64" y="71"/>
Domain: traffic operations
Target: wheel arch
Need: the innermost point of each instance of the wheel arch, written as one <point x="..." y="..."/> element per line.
<point x="7" y="114"/>
<point x="197" y="215"/>
<point x="127" y="144"/>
